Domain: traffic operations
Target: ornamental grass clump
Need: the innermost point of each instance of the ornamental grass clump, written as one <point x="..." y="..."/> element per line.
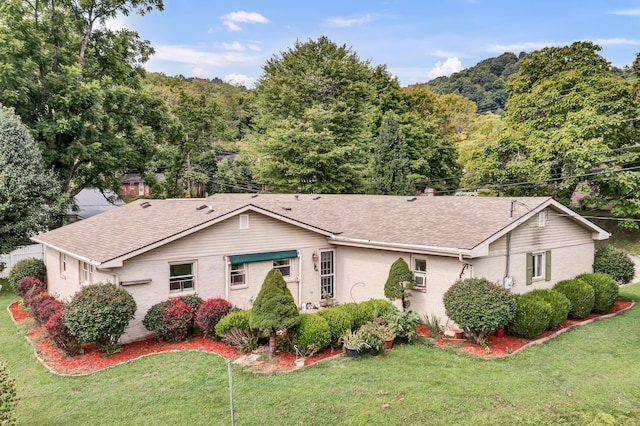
<point x="234" y="329"/>
<point x="209" y="313"/>
<point x="99" y="313"/>
<point x="605" y="290"/>
<point x="580" y="295"/>
<point x="30" y="267"/>
<point x="478" y="307"/>
<point x="532" y="316"/>
<point x="312" y="334"/>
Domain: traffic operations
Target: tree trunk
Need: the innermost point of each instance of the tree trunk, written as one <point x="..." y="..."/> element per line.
<point x="272" y="343"/>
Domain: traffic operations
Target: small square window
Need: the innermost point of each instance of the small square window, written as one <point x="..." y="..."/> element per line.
<point x="420" y="272"/>
<point x="284" y="265"/>
<point x="238" y="275"/>
<point x="181" y="277"/>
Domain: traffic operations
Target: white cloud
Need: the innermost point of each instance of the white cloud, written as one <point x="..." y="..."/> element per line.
<point x="615" y="42"/>
<point x="187" y="55"/>
<point x="626" y="12"/>
<point x="201" y="72"/>
<point x="232" y="19"/>
<point x="237" y="46"/>
<point x="447" y="68"/>
<point x="521" y="47"/>
<point x="254" y="47"/>
<point x="240" y="79"/>
<point x="348" y="22"/>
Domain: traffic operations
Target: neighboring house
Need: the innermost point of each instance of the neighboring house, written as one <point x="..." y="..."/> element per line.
<point x="344" y="245"/>
<point x="133" y="185"/>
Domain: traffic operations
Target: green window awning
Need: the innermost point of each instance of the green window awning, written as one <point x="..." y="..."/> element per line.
<point x="259" y="257"/>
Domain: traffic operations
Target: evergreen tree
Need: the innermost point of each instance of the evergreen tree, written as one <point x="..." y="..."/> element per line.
<point x="399" y="281"/>
<point x="29" y="193"/>
<point x="390" y="161"/>
<point x="274" y="308"/>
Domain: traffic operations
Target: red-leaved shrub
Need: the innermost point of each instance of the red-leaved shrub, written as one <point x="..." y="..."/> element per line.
<point x="177" y="319"/>
<point x="43" y="306"/>
<point x="60" y="335"/>
<point x="210" y="312"/>
<point x="28" y="287"/>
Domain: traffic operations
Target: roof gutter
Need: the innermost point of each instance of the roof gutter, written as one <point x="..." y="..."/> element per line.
<point x="74" y="255"/>
<point x="413" y="248"/>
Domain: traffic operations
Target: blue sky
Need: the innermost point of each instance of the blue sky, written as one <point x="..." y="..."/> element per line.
<point x="417" y="39"/>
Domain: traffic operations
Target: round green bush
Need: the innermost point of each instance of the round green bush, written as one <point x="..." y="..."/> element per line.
<point x="375" y="308"/>
<point x="340" y="320"/>
<point x="234" y="319"/>
<point x="30" y="267"/>
<point x="312" y="334"/>
<point x="617" y="263"/>
<point x="152" y="320"/>
<point x="99" y="313"/>
<point x="532" y="316"/>
<point x="605" y="289"/>
<point x="580" y="295"/>
<point x="478" y="306"/>
<point x="560" y="306"/>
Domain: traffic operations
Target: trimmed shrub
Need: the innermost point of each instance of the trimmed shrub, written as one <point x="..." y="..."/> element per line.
<point x="400" y="280"/>
<point x="234" y="329"/>
<point x="152" y="320"/>
<point x="375" y="308"/>
<point x="209" y="314"/>
<point x="605" y="289"/>
<point x="532" y="316"/>
<point x="312" y="334"/>
<point x="99" y="313"/>
<point x="580" y="295"/>
<point x="8" y="397"/>
<point x="617" y="263"/>
<point x="43" y="306"/>
<point x="28" y="287"/>
<point x="27" y="268"/>
<point x="177" y="320"/>
<point x="339" y="320"/>
<point x="60" y="335"/>
<point x="478" y="306"/>
<point x="560" y="306"/>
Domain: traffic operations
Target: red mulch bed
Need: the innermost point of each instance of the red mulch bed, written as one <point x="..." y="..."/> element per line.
<point x="507" y="345"/>
<point x="92" y="360"/>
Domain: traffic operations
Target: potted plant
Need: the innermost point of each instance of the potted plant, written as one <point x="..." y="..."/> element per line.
<point x="352" y="343"/>
<point x="372" y="336"/>
<point x="403" y="324"/>
<point x="299" y="356"/>
<point x="388" y="335"/>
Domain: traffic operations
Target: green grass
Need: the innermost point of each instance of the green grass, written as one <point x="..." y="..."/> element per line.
<point x="568" y="380"/>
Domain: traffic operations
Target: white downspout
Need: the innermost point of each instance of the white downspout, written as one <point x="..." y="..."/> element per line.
<point x="299" y="279"/>
<point x="226" y="277"/>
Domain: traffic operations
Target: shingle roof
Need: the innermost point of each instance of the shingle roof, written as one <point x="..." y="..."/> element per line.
<point x="446" y="222"/>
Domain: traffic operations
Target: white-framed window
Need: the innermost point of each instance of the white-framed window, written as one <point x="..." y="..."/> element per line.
<point x="327" y="273"/>
<point x="140" y="188"/>
<point x="63" y="264"/>
<point x="542" y="219"/>
<point x="86" y="273"/>
<point x="284" y="265"/>
<point x="420" y="272"/>
<point x="538" y="266"/>
<point x="132" y="186"/>
<point x="238" y="275"/>
<point x="244" y="221"/>
<point x="181" y="277"/>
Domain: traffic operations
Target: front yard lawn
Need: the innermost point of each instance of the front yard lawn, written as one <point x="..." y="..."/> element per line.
<point x="584" y="373"/>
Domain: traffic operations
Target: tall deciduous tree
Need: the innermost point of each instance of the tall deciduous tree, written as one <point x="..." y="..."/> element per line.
<point x="29" y="192"/>
<point x="312" y="123"/>
<point x="568" y="120"/>
<point x="274" y="308"/>
<point x="390" y="161"/>
<point x="77" y="87"/>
